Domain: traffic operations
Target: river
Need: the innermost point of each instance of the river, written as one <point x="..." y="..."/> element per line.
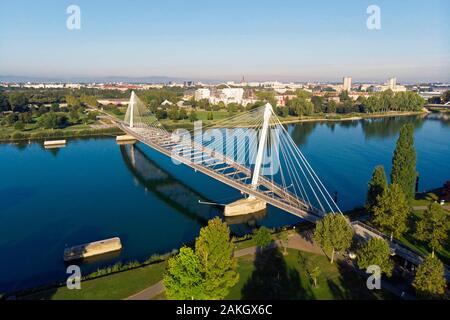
<point x="94" y="189"/>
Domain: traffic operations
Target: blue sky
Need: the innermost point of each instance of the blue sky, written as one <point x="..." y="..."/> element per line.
<point x="283" y="40"/>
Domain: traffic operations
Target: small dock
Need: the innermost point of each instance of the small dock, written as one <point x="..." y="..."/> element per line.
<point x="92" y="249"/>
<point x="52" y="144"/>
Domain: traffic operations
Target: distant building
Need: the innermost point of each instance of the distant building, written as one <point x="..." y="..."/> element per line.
<point x="201" y="94"/>
<point x="116" y="102"/>
<point x="392" y="83"/>
<point x="232" y="95"/>
<point x="347" y="86"/>
<point x="228" y="95"/>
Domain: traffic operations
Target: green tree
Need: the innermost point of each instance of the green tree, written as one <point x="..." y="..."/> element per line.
<point x="262" y="237"/>
<point x="433" y="227"/>
<point x="404" y="162"/>
<point x="73" y="101"/>
<point x="182" y="114"/>
<point x="74" y="115"/>
<point x="210" y="116"/>
<point x="376" y="252"/>
<point x="446" y="96"/>
<point x="17" y="100"/>
<point x="217" y="263"/>
<point x="266" y="97"/>
<point x="314" y="273"/>
<point x="19" y="125"/>
<point x="429" y="281"/>
<point x="4" y="104"/>
<point x="334" y="233"/>
<point x="193" y="116"/>
<point x="183" y="279"/>
<point x="391" y="210"/>
<point x="54" y="107"/>
<point x="377" y="185"/>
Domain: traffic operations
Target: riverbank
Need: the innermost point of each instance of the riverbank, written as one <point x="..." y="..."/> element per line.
<point x="18" y="136"/>
<point x="69" y="132"/>
<point x="353" y="117"/>
<point x="287" y="271"/>
<point x="185" y="124"/>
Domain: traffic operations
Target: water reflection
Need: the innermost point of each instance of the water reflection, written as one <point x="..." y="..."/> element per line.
<point x="301" y="131"/>
<point x="177" y="194"/>
<point x="388" y="127"/>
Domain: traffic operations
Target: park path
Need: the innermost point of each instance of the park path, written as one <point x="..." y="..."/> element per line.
<point x="423" y="208"/>
<point x="296" y="241"/>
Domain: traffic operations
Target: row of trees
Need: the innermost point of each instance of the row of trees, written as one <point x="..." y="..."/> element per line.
<point x="334" y="234"/>
<point x="389" y="206"/>
<point x="305" y="104"/>
<point x="19" y="101"/>
<point x="209" y="270"/>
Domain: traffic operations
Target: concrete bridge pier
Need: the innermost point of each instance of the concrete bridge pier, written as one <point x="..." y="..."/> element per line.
<point x="244" y="206"/>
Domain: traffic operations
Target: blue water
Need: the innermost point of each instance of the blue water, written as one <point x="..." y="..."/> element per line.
<point x="93" y="189"/>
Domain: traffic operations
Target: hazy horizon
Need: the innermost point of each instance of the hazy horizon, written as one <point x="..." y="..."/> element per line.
<point x="289" y="40"/>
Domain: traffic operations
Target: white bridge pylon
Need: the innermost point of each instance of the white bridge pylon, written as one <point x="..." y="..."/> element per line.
<point x="251" y="152"/>
<point x="268" y="111"/>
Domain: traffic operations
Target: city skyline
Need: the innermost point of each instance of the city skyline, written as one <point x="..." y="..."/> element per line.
<point x="286" y="41"/>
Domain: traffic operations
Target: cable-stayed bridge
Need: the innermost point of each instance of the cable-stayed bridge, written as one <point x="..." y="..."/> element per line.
<point x="251" y="152"/>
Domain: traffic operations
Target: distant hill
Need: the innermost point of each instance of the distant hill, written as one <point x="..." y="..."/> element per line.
<point x="149" y="79"/>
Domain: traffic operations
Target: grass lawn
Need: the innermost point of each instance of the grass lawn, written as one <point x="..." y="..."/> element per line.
<point x="111" y="287"/>
<point x="244" y="244"/>
<point x="217" y="115"/>
<point x="273" y="276"/>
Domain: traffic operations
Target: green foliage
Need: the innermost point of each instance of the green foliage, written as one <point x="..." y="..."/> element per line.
<point x="404" y="162"/>
<point x="55" y="107"/>
<point x="74" y="116"/>
<point x="391" y="211"/>
<point x="217" y="263"/>
<point x="73" y="101"/>
<point x="376" y="252"/>
<point x="333" y="233"/>
<point x="433" y="227"/>
<point x="17" y="101"/>
<point x="300" y="106"/>
<point x="446" y="96"/>
<point x="314" y="273"/>
<point x="4" y="103"/>
<point x="207" y="273"/>
<point x="88" y="100"/>
<point x="429" y="281"/>
<point x="19" y="125"/>
<point x="389" y="101"/>
<point x="193" y="116"/>
<point x="267" y="97"/>
<point x="52" y="120"/>
<point x="377" y="185"/>
<point x="262" y="237"/>
<point x="183" y="278"/>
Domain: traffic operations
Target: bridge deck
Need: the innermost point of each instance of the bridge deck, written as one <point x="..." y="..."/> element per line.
<point x="223" y="169"/>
